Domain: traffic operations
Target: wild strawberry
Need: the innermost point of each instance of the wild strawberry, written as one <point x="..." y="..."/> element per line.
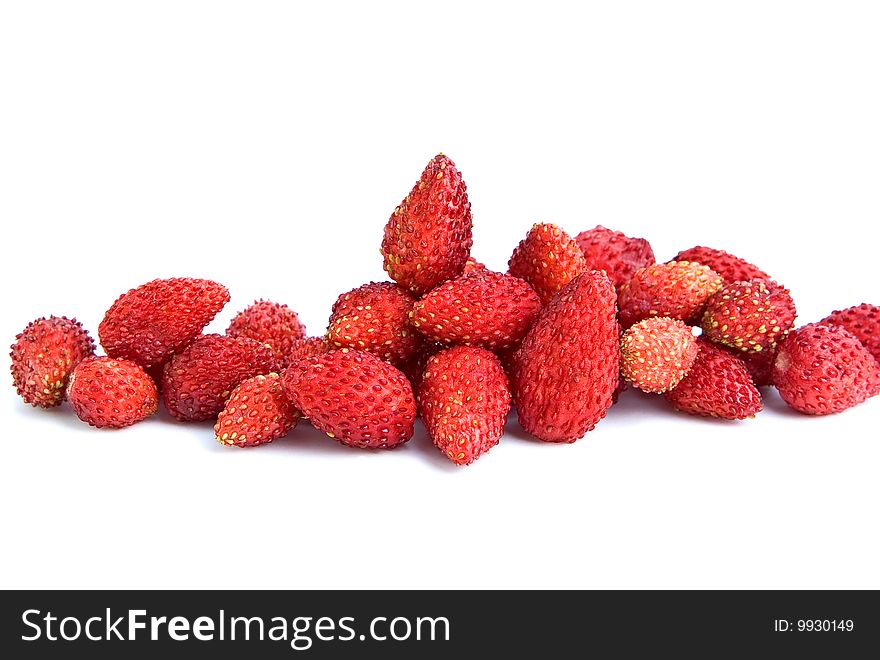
<point x="306" y="348"/>
<point x="257" y="412"/>
<point x="150" y="323"/>
<point x="548" y="259"/>
<point x="863" y="321"/>
<point x="464" y="400"/>
<point x="482" y="309"/>
<point x="655" y="354"/>
<point x="374" y="318"/>
<point x="718" y="385"/>
<point x="728" y="266"/>
<point x="567" y="368"/>
<point x="824" y="369"/>
<point x="749" y="316"/>
<point x="269" y="323"/>
<point x="614" y="252"/>
<point x="428" y="237"/>
<point x="109" y="393"/>
<point x="473" y="266"/>
<point x="678" y="289"/>
<point x="197" y="382"/>
<point x="44" y="355"/>
<point x="353" y="396"/>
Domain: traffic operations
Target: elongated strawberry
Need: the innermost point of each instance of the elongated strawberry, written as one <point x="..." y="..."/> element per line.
<point x="548" y="259"/>
<point x="374" y="318"/>
<point x="197" y="382"/>
<point x="44" y="355"/>
<point x="566" y="371"/>
<point x="482" y="309"/>
<point x="354" y="397"/>
<point x="109" y="393"/>
<point x="614" y="252"/>
<point x="150" y="323"/>
<point x="717" y="385"/>
<point x="749" y="316"/>
<point x="728" y="266"/>
<point x="657" y="353"/>
<point x="824" y="369"/>
<point x="863" y="321"/>
<point x="257" y="412"/>
<point x="269" y="323"/>
<point x="428" y="238"/>
<point x="464" y="400"/>
<point x="678" y="289"/>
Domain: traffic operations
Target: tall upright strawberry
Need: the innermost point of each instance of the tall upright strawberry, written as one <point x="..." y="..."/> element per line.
<point x="428" y="237"/>
<point x="567" y="368"/>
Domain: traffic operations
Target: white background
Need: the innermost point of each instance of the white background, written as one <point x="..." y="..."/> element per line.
<point x="265" y="145"/>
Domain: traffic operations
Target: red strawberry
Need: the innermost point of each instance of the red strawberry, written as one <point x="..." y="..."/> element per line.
<point x="567" y="369"/>
<point x="548" y="259"/>
<point x="464" y="400"/>
<point x="428" y="237"/>
<point x="678" y="289"/>
<point x="824" y="369"/>
<point x="863" y="321"/>
<point x="749" y="316"/>
<point x="655" y="354"/>
<point x="150" y="323"/>
<point x="414" y="368"/>
<point x="109" y="393"/>
<point x="614" y="252"/>
<point x="197" y="382"/>
<point x="306" y="348"/>
<point x="718" y="385"/>
<point x="257" y="412"/>
<point x="269" y="323"/>
<point x="730" y="267"/>
<point x="374" y="318"/>
<point x="474" y="266"/>
<point x="355" y="397"/>
<point x="44" y="355"/>
<point x="482" y="309"/>
<point x="760" y="365"/>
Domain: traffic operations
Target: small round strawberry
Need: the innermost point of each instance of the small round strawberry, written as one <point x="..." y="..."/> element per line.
<point x="655" y="354"/>
<point x="353" y="396"/>
<point x="269" y="323"/>
<point x="482" y="309"/>
<point x="44" y="355"/>
<point x="474" y="266"/>
<point x="197" y="382"/>
<point x="678" y="289"/>
<point x="428" y="238"/>
<point x="749" y="316"/>
<point x="567" y="368"/>
<point x="614" y="252"/>
<point x="109" y="393"/>
<point x="548" y="259"/>
<point x="257" y="412"/>
<point x="824" y="369"/>
<point x="728" y="266"/>
<point x="863" y="321"/>
<point x="464" y="400"/>
<point x="150" y="323"/>
<point x="374" y="318"/>
<point x="305" y="348"/>
<point x="718" y="385"/>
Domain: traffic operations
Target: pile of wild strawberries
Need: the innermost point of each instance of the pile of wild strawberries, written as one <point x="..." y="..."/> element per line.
<point x="558" y="336"/>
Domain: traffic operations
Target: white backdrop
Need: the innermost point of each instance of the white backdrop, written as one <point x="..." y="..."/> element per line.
<point x="265" y="145"/>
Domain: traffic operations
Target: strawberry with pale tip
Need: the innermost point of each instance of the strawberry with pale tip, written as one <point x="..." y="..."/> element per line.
<point x="656" y="353"/>
<point x="678" y="289"/>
